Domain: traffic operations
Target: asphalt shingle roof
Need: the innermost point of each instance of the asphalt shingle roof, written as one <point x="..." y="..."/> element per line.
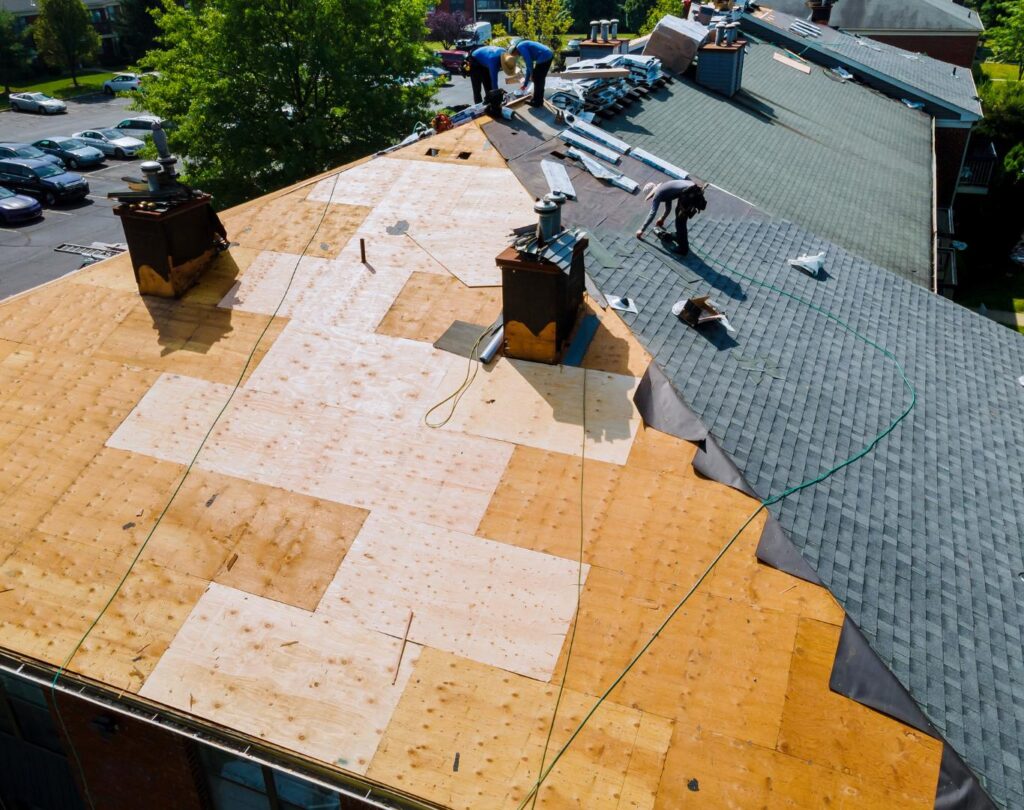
<point x="795" y="145"/>
<point x="921" y="540"/>
<point x="951" y="86"/>
<point x="886" y="15"/>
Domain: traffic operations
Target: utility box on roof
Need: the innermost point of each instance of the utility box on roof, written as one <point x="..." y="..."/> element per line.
<point x="540" y="302"/>
<point x="720" y="66"/>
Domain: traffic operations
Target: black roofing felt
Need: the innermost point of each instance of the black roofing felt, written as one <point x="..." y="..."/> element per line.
<point x="920" y="541"/>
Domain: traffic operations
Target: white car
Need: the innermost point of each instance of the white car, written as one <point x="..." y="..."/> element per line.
<point x="141" y="126"/>
<point x="110" y="142"/>
<point x="121" y="82"/>
<point x="36" y="102"/>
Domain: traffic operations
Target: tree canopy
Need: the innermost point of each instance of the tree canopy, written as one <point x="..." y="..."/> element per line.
<point x="267" y="93"/>
<point x="13" y="53"/>
<point x="1007" y="37"/>
<point x="446" y="26"/>
<point x="136" y="27"/>
<point x="543" y="21"/>
<point x="64" y="34"/>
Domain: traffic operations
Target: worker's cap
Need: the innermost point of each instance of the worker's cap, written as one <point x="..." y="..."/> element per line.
<point x="514" y="43"/>
<point x="649" y="190"/>
<point x="508" y="64"/>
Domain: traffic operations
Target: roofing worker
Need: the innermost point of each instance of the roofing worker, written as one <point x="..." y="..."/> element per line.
<point x="483" y="64"/>
<point x="689" y="199"/>
<point x="538" y="61"/>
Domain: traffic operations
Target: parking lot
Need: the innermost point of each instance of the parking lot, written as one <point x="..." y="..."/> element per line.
<point x="27" y="256"/>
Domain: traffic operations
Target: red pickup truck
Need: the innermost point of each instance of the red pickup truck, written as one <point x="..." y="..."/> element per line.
<point x="453" y="60"/>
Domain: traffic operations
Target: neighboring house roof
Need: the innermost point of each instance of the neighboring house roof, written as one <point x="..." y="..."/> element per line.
<point x="248" y="469"/>
<point x="873" y="194"/>
<point x="908" y="16"/>
<point x="941" y="85"/>
<point x="920" y="540"/>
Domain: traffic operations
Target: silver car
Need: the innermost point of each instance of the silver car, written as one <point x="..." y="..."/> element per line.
<point x="110" y="142"/>
<point x="37" y="103"/>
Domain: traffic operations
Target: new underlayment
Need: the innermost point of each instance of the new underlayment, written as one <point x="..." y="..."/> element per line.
<point x="338" y="579"/>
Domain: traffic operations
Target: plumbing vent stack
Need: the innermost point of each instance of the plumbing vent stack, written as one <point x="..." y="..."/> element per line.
<point x="547" y="220"/>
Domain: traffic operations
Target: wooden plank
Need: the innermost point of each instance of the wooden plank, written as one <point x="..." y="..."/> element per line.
<point x="501" y="605"/>
<point x="614" y="348"/>
<point x="828" y="729"/>
<point x="315" y="685"/>
<point x="433" y="476"/>
<point x="542" y="406"/>
<point x="497" y="723"/>
<point x="592" y="73"/>
<point x="429" y="303"/>
<point x="793" y="63"/>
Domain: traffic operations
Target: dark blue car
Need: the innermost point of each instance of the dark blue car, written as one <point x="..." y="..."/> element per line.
<point x="42" y="180"/>
<point x="15" y="208"/>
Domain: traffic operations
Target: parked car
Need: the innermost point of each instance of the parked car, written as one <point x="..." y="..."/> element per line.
<point x="141" y="126"/>
<point x="37" y="103"/>
<point x="42" y="180"/>
<point x="73" y="152"/>
<point x="27" y="150"/>
<point x="434" y="75"/>
<point x="452" y="61"/>
<point x="110" y="142"/>
<point x="120" y="83"/>
<point x="15" y="208"/>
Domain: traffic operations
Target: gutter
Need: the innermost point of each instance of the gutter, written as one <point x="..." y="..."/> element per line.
<point x="357" y="789"/>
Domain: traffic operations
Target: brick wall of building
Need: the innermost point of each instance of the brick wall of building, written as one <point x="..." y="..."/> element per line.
<point x="957" y="50"/>
<point x="125" y="762"/>
<point x="465" y="6"/>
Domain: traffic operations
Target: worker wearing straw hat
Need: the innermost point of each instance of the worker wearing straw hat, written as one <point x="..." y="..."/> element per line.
<point x="537" y="59"/>
<point x="689" y="199"/>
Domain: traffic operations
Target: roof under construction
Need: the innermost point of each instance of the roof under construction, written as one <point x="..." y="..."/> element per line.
<point x="231" y="509"/>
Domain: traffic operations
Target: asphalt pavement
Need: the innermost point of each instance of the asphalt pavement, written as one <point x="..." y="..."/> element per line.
<point x="27" y="256"/>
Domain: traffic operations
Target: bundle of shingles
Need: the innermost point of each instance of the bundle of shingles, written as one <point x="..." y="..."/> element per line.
<point x="605" y="96"/>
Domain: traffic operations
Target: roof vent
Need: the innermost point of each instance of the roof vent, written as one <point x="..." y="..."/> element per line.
<point x="821" y="11"/>
<point x="720" y="63"/>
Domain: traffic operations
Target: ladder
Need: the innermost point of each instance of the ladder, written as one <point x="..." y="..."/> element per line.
<point x="95" y="251"/>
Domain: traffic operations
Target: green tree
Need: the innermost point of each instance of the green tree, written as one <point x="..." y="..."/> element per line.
<point x="659" y="10"/>
<point x="136" y="27"/>
<point x="64" y="35"/>
<point x="13" y="53"/>
<point x="269" y="92"/>
<point x="541" y="20"/>
<point x="1007" y="38"/>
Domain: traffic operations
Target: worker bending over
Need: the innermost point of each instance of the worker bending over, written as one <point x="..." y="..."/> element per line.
<point x="537" y="58"/>
<point x="483" y="64"/>
<point x="689" y="199"/>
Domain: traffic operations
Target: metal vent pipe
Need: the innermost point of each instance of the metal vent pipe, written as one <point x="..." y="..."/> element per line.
<point x="604" y="30"/>
<point x="615" y="29"/>
<point x="595" y="26"/>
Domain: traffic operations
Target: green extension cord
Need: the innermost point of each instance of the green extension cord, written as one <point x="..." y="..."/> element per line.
<point x="773" y="499"/>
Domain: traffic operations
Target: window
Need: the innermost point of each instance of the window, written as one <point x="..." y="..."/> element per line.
<point x="237" y="784"/>
<point x="28" y="714"/>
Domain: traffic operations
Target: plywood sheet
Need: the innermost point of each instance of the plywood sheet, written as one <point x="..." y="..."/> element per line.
<point x="429" y="303"/>
<point x="500" y="605"/>
<point x="432" y="476"/>
<point x="263" y="540"/>
<point x="293" y="224"/>
<point x="729" y="773"/>
<point x="313" y="684"/>
<point x="464" y="146"/>
<point x="828" y="729"/>
<point x="390" y="378"/>
<point x="496" y="723"/>
<point x="542" y="406"/>
<point x="614" y="348"/>
<point x="365" y="185"/>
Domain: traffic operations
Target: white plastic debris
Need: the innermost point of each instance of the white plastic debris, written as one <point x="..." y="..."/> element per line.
<point x="812" y="265"/>
<point x="622" y="304"/>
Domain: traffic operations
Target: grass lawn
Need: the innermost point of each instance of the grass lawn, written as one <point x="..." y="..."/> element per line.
<point x="88" y="82"/>
<point x="1006" y="294"/>
<point x="997" y="70"/>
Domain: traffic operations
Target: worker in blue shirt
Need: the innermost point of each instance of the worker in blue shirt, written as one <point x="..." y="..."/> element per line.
<point x="537" y="58"/>
<point x="483" y="64"/>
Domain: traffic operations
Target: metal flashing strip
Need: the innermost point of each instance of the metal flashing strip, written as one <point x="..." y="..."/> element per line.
<point x="657" y="163"/>
<point x="599" y="135"/>
<point x="558" y="178"/>
<point x="588" y="145"/>
<point x="617" y="179"/>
